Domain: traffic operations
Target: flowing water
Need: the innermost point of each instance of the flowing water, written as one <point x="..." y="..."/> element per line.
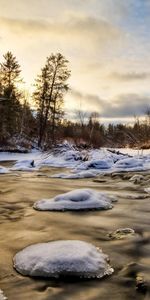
<point x="21" y="225"/>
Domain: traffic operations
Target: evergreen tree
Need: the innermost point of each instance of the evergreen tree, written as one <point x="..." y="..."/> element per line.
<point x="50" y="89"/>
<point x="10" y="95"/>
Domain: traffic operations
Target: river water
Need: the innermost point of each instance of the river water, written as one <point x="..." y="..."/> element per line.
<point x="21" y="225"/>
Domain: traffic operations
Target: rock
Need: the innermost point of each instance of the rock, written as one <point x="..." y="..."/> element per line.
<point x="121" y="233"/>
<point x="141" y="284"/>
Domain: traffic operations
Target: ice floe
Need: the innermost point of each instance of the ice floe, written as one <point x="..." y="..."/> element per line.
<point x="80" y="199"/>
<point x="62" y="258"/>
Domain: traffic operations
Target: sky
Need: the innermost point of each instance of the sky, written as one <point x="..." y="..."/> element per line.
<point x="107" y="43"/>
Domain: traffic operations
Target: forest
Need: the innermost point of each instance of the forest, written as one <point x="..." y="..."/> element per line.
<point x="40" y="121"/>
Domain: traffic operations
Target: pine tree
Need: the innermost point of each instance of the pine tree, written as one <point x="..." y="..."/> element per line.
<point x="50" y="89"/>
<point x="10" y="77"/>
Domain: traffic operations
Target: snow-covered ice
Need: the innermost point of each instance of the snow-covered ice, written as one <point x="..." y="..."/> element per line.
<point x="67" y="156"/>
<point x="102" y="164"/>
<point x="80" y="199"/>
<point x="62" y="258"/>
<point x="4" y="170"/>
<point x="130" y="164"/>
<point x="24" y="165"/>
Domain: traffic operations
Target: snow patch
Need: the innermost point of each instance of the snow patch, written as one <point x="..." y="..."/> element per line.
<point x="62" y="258"/>
<point x="80" y="199"/>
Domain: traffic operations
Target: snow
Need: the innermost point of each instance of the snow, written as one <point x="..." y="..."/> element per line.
<point x="3" y="170"/>
<point x="62" y="258"/>
<point x="96" y="164"/>
<point x="7" y="156"/>
<point x="129" y="164"/>
<point x="2" y="296"/>
<point x="80" y="199"/>
<point x="66" y="156"/>
<point x="24" y="165"/>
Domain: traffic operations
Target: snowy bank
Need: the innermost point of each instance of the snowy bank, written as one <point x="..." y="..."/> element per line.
<point x="80" y="199"/>
<point x="62" y="258"/>
<point x="66" y="156"/>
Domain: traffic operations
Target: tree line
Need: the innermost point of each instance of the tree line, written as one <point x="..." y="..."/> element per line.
<point x="40" y="121"/>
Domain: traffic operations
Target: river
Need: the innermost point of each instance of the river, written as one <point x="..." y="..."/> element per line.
<point x="21" y="225"/>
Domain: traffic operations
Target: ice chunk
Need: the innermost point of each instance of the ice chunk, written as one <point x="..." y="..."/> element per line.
<point x="80" y="199"/>
<point x="62" y="258"/>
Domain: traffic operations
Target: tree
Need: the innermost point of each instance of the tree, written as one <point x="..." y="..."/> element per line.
<point x="49" y="92"/>
<point x="10" y="95"/>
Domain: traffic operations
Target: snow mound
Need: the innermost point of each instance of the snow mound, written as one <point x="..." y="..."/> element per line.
<point x="24" y="165"/>
<point x="78" y="175"/>
<point x="99" y="164"/>
<point x="121" y="233"/>
<point x="3" y="170"/>
<point x="80" y="199"/>
<point x="62" y="258"/>
<point x="2" y="296"/>
<point x="129" y="163"/>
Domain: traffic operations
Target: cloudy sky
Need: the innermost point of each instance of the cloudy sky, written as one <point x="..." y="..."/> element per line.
<point x="107" y="43"/>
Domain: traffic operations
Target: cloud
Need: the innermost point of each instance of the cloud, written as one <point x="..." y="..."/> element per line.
<point x="72" y="29"/>
<point x="123" y="106"/>
<point x="130" y="76"/>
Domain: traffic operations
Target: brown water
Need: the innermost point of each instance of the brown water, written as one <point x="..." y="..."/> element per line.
<point x="21" y="225"/>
